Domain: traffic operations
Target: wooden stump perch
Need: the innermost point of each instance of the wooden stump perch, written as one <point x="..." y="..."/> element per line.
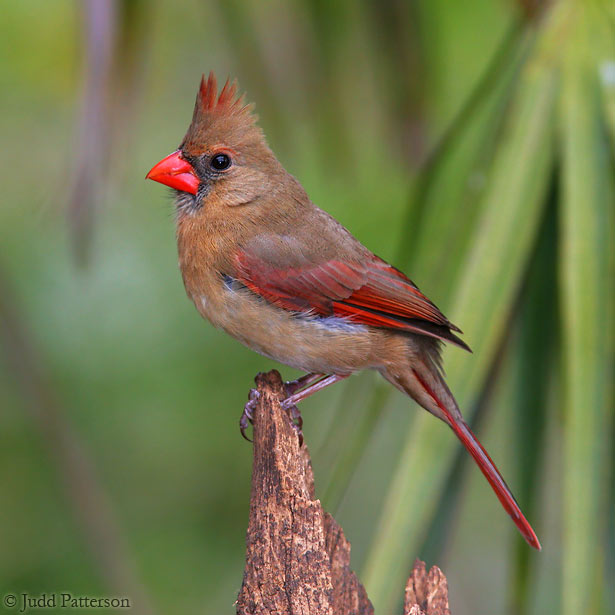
<point x="426" y="592"/>
<point x="297" y="558"/>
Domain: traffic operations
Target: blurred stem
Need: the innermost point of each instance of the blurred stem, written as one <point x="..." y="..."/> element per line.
<point x="587" y="304"/>
<point x="330" y="24"/>
<point x="446" y="511"/>
<point x="116" y="34"/>
<point x="93" y="142"/>
<point x="350" y="456"/>
<point x="397" y="27"/>
<point x="90" y="504"/>
<point x="430" y="172"/>
<point x="132" y="45"/>
<point x="534" y="358"/>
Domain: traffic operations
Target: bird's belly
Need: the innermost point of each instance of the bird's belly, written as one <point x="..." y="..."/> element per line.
<point x="307" y="343"/>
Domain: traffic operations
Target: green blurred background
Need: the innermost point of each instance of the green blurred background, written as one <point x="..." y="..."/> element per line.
<point x="471" y="144"/>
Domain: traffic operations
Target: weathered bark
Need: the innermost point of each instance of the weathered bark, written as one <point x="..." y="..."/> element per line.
<point x="426" y="592"/>
<point x="298" y="560"/>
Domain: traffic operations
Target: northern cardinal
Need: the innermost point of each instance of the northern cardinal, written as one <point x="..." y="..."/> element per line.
<point x="262" y="262"/>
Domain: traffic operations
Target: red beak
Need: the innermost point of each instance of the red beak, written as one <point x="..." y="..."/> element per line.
<point x="175" y="172"/>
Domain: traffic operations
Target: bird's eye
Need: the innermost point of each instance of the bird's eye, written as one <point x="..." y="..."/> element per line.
<point x="220" y="162"/>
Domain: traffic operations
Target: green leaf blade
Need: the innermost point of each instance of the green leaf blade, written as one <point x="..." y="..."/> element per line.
<point x="504" y="234"/>
<point x="587" y="310"/>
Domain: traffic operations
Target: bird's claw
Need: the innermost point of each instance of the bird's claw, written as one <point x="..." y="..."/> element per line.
<point x="248" y="413"/>
<point x="295" y="417"/>
<point x="287" y="404"/>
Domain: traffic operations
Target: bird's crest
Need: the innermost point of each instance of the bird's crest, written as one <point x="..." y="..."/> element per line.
<point x="209" y="103"/>
<point x="217" y="117"/>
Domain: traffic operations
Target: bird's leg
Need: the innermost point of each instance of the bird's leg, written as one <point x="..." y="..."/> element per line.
<point x="311" y="383"/>
<point x="316" y="383"/>
<point x="292" y="386"/>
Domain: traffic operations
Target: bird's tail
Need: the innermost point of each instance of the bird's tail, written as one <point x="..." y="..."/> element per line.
<point x="428" y="388"/>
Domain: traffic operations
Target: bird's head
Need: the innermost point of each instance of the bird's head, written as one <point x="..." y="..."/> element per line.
<point x="224" y="159"/>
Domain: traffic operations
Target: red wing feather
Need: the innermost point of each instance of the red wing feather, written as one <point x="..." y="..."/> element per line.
<point x="370" y="292"/>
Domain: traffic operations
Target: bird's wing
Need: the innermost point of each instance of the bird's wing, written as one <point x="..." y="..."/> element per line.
<point x="365" y="291"/>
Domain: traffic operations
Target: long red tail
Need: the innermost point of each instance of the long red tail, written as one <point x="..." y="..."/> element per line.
<point x="480" y="455"/>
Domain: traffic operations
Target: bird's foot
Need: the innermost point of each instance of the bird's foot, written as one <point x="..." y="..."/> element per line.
<point x="295" y="417"/>
<point x="296" y="391"/>
<point x="248" y="412"/>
